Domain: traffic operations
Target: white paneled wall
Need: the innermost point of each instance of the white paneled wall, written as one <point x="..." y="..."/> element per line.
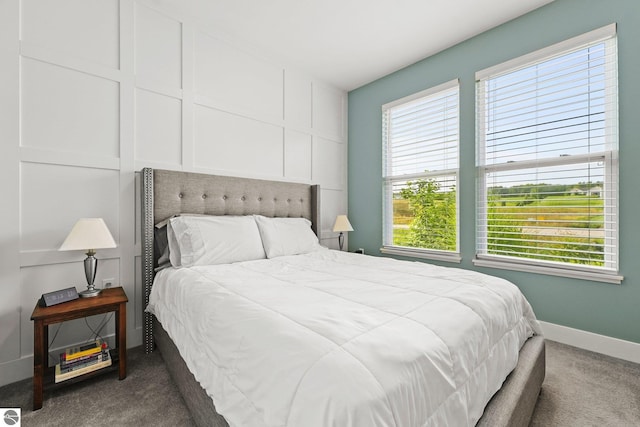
<point x="89" y="121"/>
<point x="230" y="79"/>
<point x="73" y="192"/>
<point x="91" y="91"/>
<point x="232" y="143"/>
<point x="87" y="30"/>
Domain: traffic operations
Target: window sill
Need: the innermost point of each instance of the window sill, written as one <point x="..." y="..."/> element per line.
<point x="422" y="253"/>
<point x="596" y="276"/>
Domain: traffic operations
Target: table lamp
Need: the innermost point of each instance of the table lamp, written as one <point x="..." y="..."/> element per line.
<point x="342" y="224"/>
<point x="88" y="235"/>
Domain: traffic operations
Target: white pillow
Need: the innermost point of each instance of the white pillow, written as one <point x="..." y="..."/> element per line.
<point x="208" y="240"/>
<point x="287" y="236"/>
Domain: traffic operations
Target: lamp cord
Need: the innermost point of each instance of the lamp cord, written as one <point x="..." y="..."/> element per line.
<point x="51" y="358"/>
<point x="95" y="333"/>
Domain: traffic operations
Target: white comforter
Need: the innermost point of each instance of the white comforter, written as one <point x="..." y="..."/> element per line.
<point x="339" y="339"/>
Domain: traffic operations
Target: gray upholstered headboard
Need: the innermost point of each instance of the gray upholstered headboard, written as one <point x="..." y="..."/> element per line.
<point x="167" y="193"/>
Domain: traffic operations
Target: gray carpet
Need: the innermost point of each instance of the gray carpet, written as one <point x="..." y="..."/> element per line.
<point x="147" y="397"/>
<point x="581" y="389"/>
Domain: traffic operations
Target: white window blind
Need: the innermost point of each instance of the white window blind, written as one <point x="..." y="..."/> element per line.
<point x="547" y="157"/>
<point x="420" y="170"/>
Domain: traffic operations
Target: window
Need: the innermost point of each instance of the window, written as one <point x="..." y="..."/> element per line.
<point x="420" y="170"/>
<point x="547" y="160"/>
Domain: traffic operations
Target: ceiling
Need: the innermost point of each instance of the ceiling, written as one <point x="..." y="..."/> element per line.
<point x="349" y="43"/>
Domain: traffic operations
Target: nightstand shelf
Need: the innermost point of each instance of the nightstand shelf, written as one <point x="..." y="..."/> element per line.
<point x="49" y="382"/>
<point x="109" y="300"/>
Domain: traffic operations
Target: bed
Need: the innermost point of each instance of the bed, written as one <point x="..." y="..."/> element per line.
<point x="331" y="367"/>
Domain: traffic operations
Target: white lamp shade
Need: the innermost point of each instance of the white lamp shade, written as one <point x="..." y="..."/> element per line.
<point x="88" y="233"/>
<point x="342" y="224"/>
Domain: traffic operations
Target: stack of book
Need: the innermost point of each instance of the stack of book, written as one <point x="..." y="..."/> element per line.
<point x="82" y="360"/>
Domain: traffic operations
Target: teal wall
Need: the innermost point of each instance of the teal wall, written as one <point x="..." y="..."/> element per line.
<point x="612" y="310"/>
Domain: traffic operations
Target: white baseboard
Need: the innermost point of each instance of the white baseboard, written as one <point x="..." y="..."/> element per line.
<point x="16" y="370"/>
<point x="614" y="347"/>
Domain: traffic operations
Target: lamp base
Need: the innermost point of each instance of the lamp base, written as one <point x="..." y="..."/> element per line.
<point x="87" y="293"/>
<point x="90" y="268"/>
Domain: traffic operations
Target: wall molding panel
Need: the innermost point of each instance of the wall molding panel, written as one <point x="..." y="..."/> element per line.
<point x="63" y="59"/>
<point x="68" y="158"/>
<point x="92" y="91"/>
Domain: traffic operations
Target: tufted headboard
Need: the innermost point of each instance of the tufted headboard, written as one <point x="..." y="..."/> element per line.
<point x="166" y="193"/>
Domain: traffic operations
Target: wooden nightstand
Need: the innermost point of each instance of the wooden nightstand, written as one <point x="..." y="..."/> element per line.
<point x="111" y="299"/>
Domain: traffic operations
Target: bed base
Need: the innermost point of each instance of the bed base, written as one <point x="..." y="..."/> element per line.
<point x="199" y="403"/>
<point x="514" y="403"/>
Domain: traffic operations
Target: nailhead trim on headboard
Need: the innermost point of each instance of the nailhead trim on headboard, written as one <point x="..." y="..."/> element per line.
<point x="147" y="254"/>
